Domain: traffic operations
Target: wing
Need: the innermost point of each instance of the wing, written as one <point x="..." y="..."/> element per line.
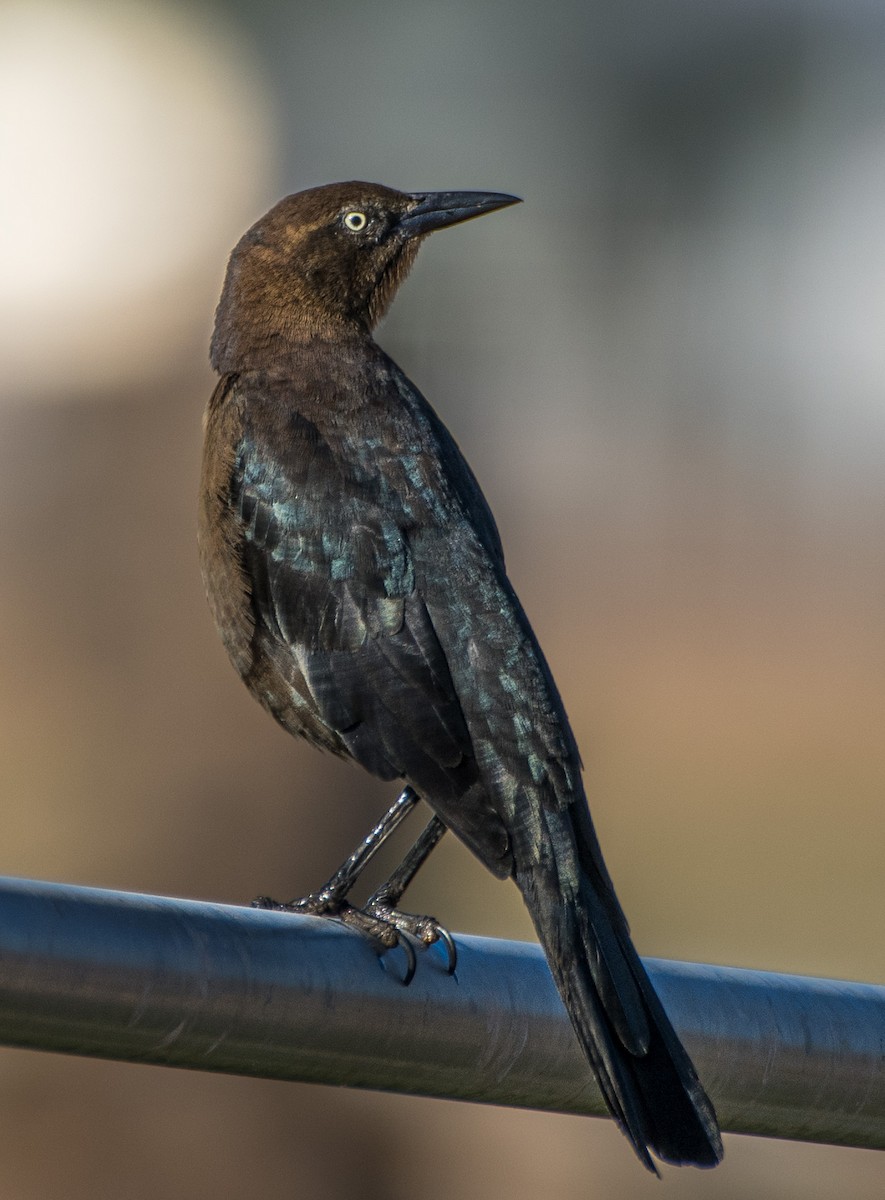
<point x="342" y="634"/>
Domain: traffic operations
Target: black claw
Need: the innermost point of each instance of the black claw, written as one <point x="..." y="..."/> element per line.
<point x="451" y="949"/>
<point x="411" y="960"/>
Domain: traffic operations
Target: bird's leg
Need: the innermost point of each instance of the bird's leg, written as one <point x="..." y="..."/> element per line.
<point x="382" y="904"/>
<point x="391" y="892"/>
<point x="379" y="919"/>
<point x="331" y="899"/>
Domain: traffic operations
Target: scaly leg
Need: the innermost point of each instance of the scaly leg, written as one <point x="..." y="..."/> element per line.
<point x="331" y="900"/>
<point x="383" y="902"/>
<point x="379" y="919"/>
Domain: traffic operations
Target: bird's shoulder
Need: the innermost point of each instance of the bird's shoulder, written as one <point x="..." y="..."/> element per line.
<point x="352" y="427"/>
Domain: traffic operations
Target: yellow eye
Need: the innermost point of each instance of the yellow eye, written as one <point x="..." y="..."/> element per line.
<point x="356" y="222"/>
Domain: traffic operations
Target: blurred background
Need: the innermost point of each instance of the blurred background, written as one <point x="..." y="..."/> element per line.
<point x="668" y="370"/>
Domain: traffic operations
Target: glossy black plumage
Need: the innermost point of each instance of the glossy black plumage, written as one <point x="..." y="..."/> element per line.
<point x="357" y="579"/>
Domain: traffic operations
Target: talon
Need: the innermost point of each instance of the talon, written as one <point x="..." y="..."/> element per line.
<point x="266" y="902"/>
<point x="448" y="941"/>
<point x="411" y="960"/>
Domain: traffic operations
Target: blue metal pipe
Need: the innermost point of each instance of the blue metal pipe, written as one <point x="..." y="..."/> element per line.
<point x="217" y="988"/>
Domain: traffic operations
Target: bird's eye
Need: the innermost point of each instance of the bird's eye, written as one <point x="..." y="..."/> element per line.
<point x="356" y="222"/>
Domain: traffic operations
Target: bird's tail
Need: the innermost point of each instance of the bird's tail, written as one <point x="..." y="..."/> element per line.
<point x="647" y="1079"/>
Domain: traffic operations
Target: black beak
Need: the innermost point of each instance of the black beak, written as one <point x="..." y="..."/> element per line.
<point x="435" y="210"/>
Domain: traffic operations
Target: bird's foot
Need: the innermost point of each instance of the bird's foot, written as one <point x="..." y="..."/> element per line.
<point x="387" y="934"/>
<point x="324" y="903"/>
<point x="425" y="930"/>
<point x="379" y="920"/>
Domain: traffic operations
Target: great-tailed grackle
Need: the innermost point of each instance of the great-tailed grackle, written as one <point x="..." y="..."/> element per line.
<point x="356" y="576"/>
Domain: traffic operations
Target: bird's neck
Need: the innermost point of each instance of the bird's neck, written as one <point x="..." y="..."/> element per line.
<point x="265" y="318"/>
<point x="281" y="340"/>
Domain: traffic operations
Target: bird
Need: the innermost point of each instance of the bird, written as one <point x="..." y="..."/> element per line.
<point x="356" y="576"/>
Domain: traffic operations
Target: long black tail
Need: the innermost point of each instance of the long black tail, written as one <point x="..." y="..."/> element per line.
<point x="646" y="1077"/>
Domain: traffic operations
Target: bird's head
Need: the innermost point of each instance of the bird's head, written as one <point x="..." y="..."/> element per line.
<point x="327" y="260"/>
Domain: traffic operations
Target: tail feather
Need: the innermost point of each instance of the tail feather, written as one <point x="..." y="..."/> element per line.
<point x="647" y="1079"/>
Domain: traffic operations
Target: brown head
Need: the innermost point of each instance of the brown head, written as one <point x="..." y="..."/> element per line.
<point x="326" y="263"/>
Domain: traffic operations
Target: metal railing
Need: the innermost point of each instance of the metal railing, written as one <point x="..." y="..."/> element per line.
<point x="218" y="988"/>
